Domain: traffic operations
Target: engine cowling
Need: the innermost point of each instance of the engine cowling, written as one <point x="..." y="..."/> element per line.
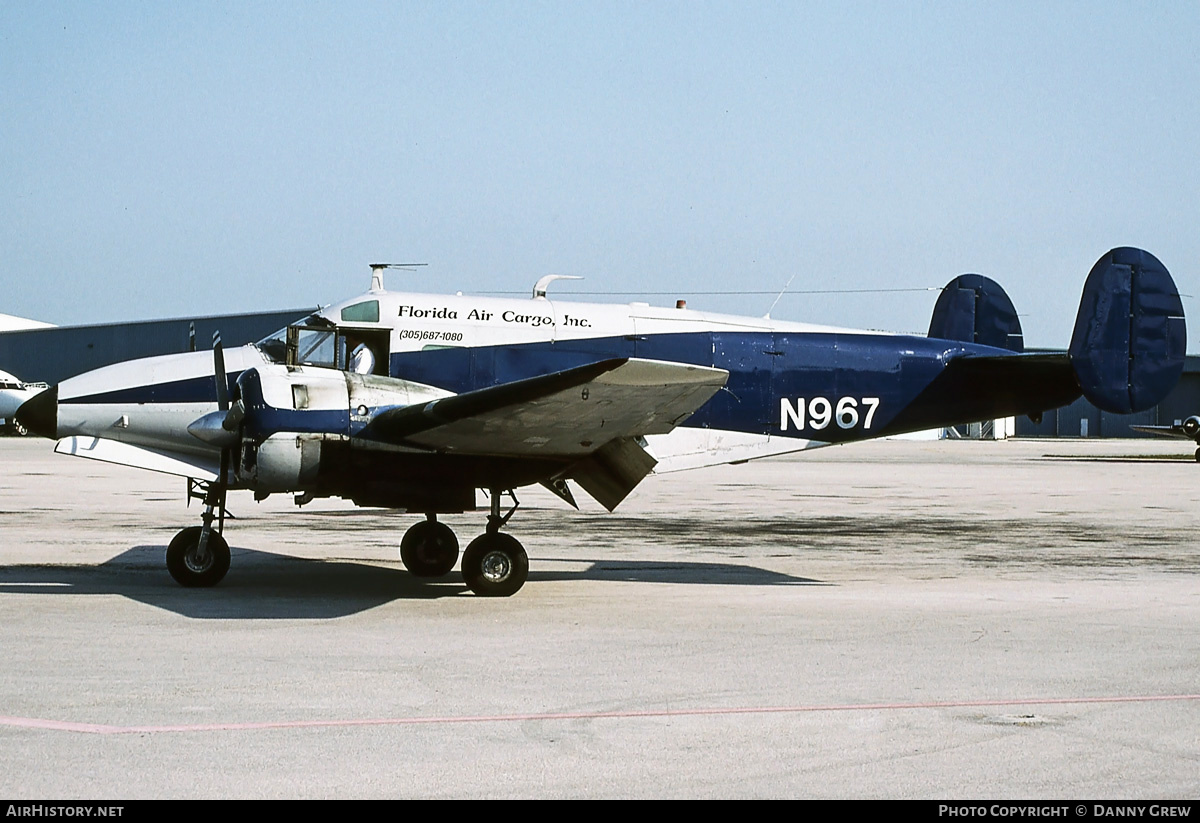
<point x="1191" y="426"/>
<point x="293" y="417"/>
<point x="283" y="462"/>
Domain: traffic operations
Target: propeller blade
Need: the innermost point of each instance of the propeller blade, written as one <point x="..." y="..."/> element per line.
<point x="219" y="368"/>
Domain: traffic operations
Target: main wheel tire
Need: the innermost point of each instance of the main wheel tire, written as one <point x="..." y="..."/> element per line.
<point x="191" y="570"/>
<point x="429" y="549"/>
<point x="495" y="565"/>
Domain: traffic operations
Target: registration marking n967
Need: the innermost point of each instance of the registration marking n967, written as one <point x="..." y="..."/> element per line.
<point x="845" y="412"/>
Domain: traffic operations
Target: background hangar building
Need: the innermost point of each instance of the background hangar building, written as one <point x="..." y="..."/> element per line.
<point x="51" y="354"/>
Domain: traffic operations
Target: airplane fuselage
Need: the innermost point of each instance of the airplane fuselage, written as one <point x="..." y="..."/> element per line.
<point x="791" y="386"/>
<point x="415" y="401"/>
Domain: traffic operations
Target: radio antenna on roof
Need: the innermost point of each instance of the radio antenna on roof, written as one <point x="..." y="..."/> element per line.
<point x="377" y="272"/>
<point x="539" y="288"/>
<point x="786" y="286"/>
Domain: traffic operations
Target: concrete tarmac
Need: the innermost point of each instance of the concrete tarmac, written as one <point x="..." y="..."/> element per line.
<point x="895" y="619"/>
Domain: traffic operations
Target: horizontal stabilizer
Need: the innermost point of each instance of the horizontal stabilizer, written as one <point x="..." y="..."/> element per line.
<point x="1129" y="341"/>
<point x="984" y="388"/>
<point x="976" y="309"/>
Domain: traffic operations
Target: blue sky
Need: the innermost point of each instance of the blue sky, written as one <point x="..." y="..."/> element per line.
<point x="162" y="159"/>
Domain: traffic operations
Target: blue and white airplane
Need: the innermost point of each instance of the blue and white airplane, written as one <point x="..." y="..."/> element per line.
<point x="415" y="401"/>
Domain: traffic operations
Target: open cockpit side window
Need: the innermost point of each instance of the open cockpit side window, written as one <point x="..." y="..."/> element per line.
<point x="327" y="346"/>
<point x="365" y="351"/>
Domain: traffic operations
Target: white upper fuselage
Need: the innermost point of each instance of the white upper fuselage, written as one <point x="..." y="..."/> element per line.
<point x="419" y="321"/>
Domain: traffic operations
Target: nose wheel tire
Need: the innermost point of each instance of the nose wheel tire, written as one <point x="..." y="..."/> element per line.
<point x="192" y="569"/>
<point x="495" y="565"/>
<point x="429" y="549"/>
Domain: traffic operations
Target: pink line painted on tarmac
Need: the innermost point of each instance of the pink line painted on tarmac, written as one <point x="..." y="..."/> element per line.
<point x="98" y="728"/>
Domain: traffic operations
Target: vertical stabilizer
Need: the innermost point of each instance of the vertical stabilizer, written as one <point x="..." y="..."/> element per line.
<point x="1129" y="341"/>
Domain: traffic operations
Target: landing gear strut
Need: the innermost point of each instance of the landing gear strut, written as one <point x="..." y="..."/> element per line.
<point x="199" y="556"/>
<point x="495" y="564"/>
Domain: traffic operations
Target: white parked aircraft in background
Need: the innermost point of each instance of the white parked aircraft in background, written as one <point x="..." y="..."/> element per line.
<point x="13" y="393"/>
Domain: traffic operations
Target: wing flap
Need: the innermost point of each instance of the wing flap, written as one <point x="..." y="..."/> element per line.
<point x="611" y="473"/>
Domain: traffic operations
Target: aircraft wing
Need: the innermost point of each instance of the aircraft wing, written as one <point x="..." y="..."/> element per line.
<point x="140" y="457"/>
<point x="1164" y="431"/>
<point x="571" y="413"/>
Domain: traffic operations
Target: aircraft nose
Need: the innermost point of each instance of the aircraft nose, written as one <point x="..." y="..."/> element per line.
<point x="39" y="414"/>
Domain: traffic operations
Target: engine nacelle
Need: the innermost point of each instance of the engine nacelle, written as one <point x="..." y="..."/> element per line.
<point x="290" y="414"/>
<point x="283" y="462"/>
<point x="1191" y="426"/>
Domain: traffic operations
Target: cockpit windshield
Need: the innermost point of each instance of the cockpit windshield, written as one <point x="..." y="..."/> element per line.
<point x="316" y="347"/>
<point x="274" y="346"/>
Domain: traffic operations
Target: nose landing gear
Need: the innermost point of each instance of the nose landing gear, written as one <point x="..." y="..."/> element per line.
<point x="198" y="557"/>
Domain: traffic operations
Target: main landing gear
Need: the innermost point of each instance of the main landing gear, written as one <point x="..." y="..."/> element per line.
<point x="199" y="556"/>
<point x="494" y="564"/>
<point x="429" y="548"/>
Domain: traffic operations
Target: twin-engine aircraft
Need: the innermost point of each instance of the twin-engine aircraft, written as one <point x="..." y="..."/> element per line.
<point x="1186" y="429"/>
<point x="415" y="401"/>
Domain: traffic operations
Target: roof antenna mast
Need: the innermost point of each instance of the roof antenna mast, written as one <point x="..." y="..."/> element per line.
<point x="377" y="272"/>
<point x="539" y="288"/>
<point x="788" y="285"/>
